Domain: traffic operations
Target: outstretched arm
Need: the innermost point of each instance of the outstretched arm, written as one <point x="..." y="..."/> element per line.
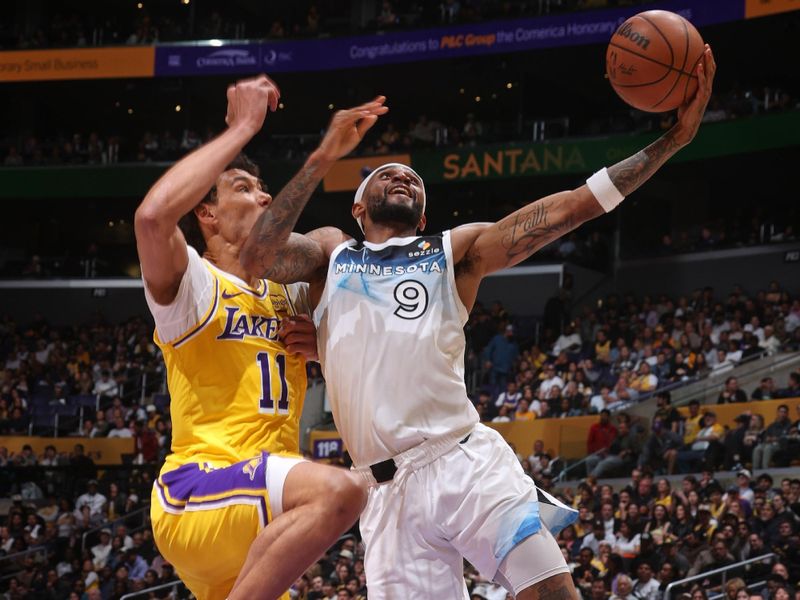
<point x="272" y="250"/>
<point x="486" y="248"/>
<point x="161" y="245"/>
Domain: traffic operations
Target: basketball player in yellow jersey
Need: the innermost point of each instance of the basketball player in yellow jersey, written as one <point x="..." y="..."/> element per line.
<point x="234" y="508"/>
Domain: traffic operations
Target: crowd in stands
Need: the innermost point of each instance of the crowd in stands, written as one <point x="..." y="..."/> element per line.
<point x="425" y="131"/>
<point x="45" y="369"/>
<point x="96" y="149"/>
<point x="77" y="527"/>
<point x="606" y="357"/>
<point x="149" y="23"/>
<point x="587" y="247"/>
<point x="86" y="524"/>
<point x="610" y="357"/>
<point x="755" y="231"/>
<point x="630" y="542"/>
<point x="675" y="443"/>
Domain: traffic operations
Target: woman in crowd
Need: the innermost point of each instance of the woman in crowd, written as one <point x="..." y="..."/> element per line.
<point x="628" y="542"/>
<point x="664" y="495"/>
<point x="658" y="526"/>
<point x="693" y="503"/>
<point x="681" y="522"/>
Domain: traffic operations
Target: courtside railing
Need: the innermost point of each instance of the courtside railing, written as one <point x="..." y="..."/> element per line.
<point x="721" y="571"/>
<point x="143" y="512"/>
<point x="751" y="587"/>
<point x="562" y="475"/>
<point x="7" y="569"/>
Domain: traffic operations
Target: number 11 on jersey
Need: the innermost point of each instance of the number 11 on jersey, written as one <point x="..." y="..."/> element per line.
<point x="266" y="403"/>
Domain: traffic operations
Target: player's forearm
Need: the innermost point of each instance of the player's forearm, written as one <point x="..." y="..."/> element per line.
<point x="187" y="182"/>
<point x="629" y="174"/>
<point x="267" y="251"/>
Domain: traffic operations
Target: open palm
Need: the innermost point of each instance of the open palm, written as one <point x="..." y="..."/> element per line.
<point x="348" y="127"/>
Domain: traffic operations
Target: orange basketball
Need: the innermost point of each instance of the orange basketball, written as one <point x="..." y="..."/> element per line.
<point x="652" y="60"/>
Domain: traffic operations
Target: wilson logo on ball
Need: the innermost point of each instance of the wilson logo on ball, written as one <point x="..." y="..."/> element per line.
<point x="637" y="38"/>
<point x="651" y="60"/>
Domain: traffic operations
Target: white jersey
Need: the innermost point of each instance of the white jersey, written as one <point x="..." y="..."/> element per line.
<point x="390" y="331"/>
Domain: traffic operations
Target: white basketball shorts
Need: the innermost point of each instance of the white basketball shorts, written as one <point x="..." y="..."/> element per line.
<point x="473" y="502"/>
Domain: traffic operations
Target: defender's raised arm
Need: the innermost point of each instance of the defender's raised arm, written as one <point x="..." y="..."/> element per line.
<point x="272" y="250"/>
<point x="161" y="245"/>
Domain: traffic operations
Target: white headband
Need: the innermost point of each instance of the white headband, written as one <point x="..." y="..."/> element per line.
<point x="363" y="186"/>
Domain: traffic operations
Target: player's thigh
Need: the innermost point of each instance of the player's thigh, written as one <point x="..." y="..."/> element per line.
<point x="404" y="558"/>
<point x="334" y="486"/>
<point x="532" y="563"/>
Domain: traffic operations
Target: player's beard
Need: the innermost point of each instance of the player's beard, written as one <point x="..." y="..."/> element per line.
<point x="381" y="211"/>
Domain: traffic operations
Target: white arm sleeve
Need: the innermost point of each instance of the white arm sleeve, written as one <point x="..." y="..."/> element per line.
<point x="190" y="304"/>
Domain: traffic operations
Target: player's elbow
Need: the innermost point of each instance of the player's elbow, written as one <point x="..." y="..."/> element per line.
<point x="146" y="220"/>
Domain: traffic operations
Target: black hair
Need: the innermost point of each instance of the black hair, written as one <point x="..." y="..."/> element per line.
<point x="189" y="224"/>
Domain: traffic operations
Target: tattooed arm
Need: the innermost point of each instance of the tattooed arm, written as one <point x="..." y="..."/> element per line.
<point x="487" y="248"/>
<point x="480" y="248"/>
<point x="271" y="249"/>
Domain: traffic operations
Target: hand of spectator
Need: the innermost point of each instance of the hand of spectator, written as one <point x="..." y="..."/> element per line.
<point x="691" y="113"/>
<point x="248" y="103"/>
<point x="348" y="127"/>
<point x="299" y="335"/>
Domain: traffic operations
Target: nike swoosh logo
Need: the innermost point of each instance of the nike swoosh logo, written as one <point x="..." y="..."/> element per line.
<point x="227" y="296"/>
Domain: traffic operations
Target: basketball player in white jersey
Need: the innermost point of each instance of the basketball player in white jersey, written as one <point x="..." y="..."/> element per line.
<point x="390" y="312"/>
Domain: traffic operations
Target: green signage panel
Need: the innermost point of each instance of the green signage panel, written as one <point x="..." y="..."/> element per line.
<point x="497" y="161"/>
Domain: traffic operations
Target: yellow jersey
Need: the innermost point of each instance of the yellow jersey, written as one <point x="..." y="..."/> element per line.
<point x="234" y="390"/>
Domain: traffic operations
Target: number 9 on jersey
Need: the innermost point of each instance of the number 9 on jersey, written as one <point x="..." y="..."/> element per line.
<point x="412" y="299"/>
